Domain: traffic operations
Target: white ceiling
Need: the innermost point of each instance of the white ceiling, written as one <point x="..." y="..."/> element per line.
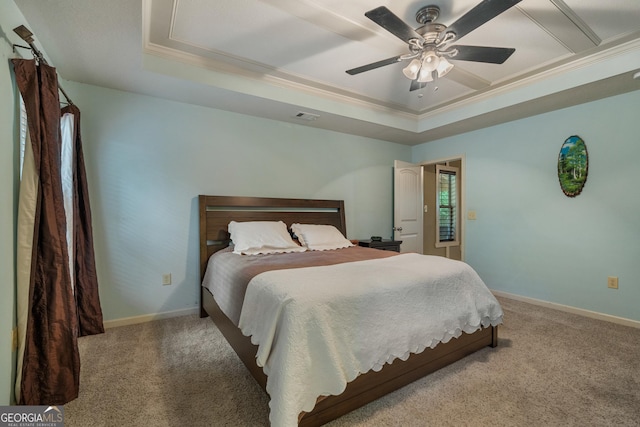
<point x="276" y="58"/>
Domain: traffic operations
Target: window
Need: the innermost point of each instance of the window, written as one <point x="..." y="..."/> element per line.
<point x="447" y="202"/>
<point x="23" y="133"/>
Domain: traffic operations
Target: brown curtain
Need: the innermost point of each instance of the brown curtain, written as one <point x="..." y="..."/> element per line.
<point x="51" y="364"/>
<point x="86" y="280"/>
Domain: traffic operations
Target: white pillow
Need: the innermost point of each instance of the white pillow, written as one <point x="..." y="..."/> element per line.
<point x="262" y="237"/>
<point x="320" y="237"/>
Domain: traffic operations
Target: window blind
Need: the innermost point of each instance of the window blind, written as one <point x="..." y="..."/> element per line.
<point x="447" y="205"/>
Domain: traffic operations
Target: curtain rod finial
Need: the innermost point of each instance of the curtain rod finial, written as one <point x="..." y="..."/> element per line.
<point x="24" y="33"/>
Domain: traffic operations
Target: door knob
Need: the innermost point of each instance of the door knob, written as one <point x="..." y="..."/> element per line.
<point x="397" y="228"/>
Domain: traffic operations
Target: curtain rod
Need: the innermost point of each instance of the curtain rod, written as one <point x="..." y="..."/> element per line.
<point x="27" y="36"/>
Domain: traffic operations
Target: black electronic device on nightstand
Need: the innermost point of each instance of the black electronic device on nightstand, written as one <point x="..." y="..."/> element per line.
<point x="383" y="244"/>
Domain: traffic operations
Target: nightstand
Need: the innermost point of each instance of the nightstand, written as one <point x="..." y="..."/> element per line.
<point x="385" y="244"/>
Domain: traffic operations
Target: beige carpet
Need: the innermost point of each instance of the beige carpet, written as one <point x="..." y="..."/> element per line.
<point x="550" y="369"/>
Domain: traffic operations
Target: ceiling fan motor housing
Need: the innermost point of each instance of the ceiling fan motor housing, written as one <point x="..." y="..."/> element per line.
<point x="430" y="31"/>
<point x="426" y="16"/>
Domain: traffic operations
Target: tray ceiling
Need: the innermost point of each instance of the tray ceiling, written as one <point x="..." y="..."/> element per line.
<point x="277" y="58"/>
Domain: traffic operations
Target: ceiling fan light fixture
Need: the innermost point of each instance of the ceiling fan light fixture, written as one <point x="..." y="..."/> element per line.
<point x="425" y="75"/>
<point x="411" y="70"/>
<point x="430" y="61"/>
<point x="444" y="67"/>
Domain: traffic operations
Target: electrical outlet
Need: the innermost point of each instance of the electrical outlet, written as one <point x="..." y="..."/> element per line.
<point x="612" y="282"/>
<point x="166" y="279"/>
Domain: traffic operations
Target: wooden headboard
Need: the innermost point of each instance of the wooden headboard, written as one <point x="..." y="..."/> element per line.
<point x="217" y="211"/>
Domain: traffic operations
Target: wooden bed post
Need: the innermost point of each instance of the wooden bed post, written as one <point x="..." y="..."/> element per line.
<point x="494" y="336"/>
<point x="202" y="205"/>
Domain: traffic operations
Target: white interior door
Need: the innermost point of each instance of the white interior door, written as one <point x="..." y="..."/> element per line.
<point x="408" y="205"/>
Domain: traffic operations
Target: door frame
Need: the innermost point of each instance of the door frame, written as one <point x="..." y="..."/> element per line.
<point x="463" y="182"/>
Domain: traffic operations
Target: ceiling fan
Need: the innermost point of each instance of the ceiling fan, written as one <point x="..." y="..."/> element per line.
<point x="430" y="44"/>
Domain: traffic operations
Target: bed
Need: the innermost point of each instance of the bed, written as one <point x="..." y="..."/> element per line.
<point x="216" y="212"/>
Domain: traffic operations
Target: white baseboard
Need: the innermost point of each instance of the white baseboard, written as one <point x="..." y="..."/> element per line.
<point x="149" y="317"/>
<point x="569" y="309"/>
<point x="566" y="308"/>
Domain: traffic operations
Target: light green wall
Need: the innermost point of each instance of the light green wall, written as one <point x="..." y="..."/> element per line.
<point x="10" y="17"/>
<point x="148" y="159"/>
<point x="532" y="240"/>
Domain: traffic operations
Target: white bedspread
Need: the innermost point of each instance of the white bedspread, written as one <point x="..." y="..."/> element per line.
<point x="318" y="328"/>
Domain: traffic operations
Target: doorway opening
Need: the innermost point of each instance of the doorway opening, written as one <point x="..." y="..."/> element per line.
<point x="443" y="198"/>
<point x="434" y="202"/>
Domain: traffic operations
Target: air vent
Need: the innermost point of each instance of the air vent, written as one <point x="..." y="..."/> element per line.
<point x="307" y="116"/>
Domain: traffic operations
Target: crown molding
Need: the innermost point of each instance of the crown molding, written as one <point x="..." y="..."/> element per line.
<point x="627" y="47"/>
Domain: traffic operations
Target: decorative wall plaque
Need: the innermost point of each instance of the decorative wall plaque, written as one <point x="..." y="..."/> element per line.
<point x="573" y="166"/>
